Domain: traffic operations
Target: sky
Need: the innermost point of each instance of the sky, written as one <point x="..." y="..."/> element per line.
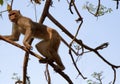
<point x="93" y="32"/>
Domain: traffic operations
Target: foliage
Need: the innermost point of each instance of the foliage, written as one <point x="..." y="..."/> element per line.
<point x="1" y="2"/>
<point x="98" y="78"/>
<point x="92" y="9"/>
<point x="15" y="76"/>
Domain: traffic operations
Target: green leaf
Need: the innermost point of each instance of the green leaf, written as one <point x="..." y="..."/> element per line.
<point x="1" y="2"/>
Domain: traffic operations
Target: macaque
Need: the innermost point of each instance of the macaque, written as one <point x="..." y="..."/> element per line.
<point x="49" y="45"/>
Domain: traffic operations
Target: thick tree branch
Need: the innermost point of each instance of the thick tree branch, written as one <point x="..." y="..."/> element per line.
<point x="62" y="74"/>
<point x="21" y="47"/>
<point x="45" y="11"/>
<point x="25" y="64"/>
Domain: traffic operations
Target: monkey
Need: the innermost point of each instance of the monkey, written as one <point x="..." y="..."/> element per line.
<point x="50" y="38"/>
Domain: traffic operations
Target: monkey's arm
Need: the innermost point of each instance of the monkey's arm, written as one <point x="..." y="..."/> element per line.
<point x="27" y="38"/>
<point x="15" y="33"/>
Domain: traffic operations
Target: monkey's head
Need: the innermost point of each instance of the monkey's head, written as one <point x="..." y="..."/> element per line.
<point x="14" y="15"/>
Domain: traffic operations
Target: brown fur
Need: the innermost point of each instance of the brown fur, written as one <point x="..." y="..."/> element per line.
<point x="48" y="47"/>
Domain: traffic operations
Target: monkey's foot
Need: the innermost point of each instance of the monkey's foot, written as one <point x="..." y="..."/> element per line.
<point x="45" y="60"/>
<point x="57" y="69"/>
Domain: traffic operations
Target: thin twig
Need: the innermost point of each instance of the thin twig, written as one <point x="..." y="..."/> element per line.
<point x="47" y="74"/>
<point x="117" y="3"/>
<point x="97" y="12"/>
<point x="76" y="33"/>
<point x="63" y="40"/>
<point x="12" y="3"/>
<point x="35" y="11"/>
<point x="76" y="65"/>
<point x="114" y="75"/>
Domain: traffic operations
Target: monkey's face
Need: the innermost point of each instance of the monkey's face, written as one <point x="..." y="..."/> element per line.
<point x="14" y="15"/>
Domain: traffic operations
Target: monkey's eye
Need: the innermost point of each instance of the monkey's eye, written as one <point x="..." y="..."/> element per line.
<point x="11" y="14"/>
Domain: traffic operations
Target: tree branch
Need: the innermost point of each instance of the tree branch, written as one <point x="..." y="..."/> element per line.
<point x="45" y="11"/>
<point x="25" y="64"/>
<point x="21" y="47"/>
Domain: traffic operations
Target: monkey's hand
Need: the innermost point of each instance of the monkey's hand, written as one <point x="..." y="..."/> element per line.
<point x="28" y="46"/>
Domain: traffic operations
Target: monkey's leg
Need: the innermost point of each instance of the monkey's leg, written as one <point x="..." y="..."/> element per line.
<point x="49" y="53"/>
<point x="43" y="48"/>
<point x="57" y="59"/>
